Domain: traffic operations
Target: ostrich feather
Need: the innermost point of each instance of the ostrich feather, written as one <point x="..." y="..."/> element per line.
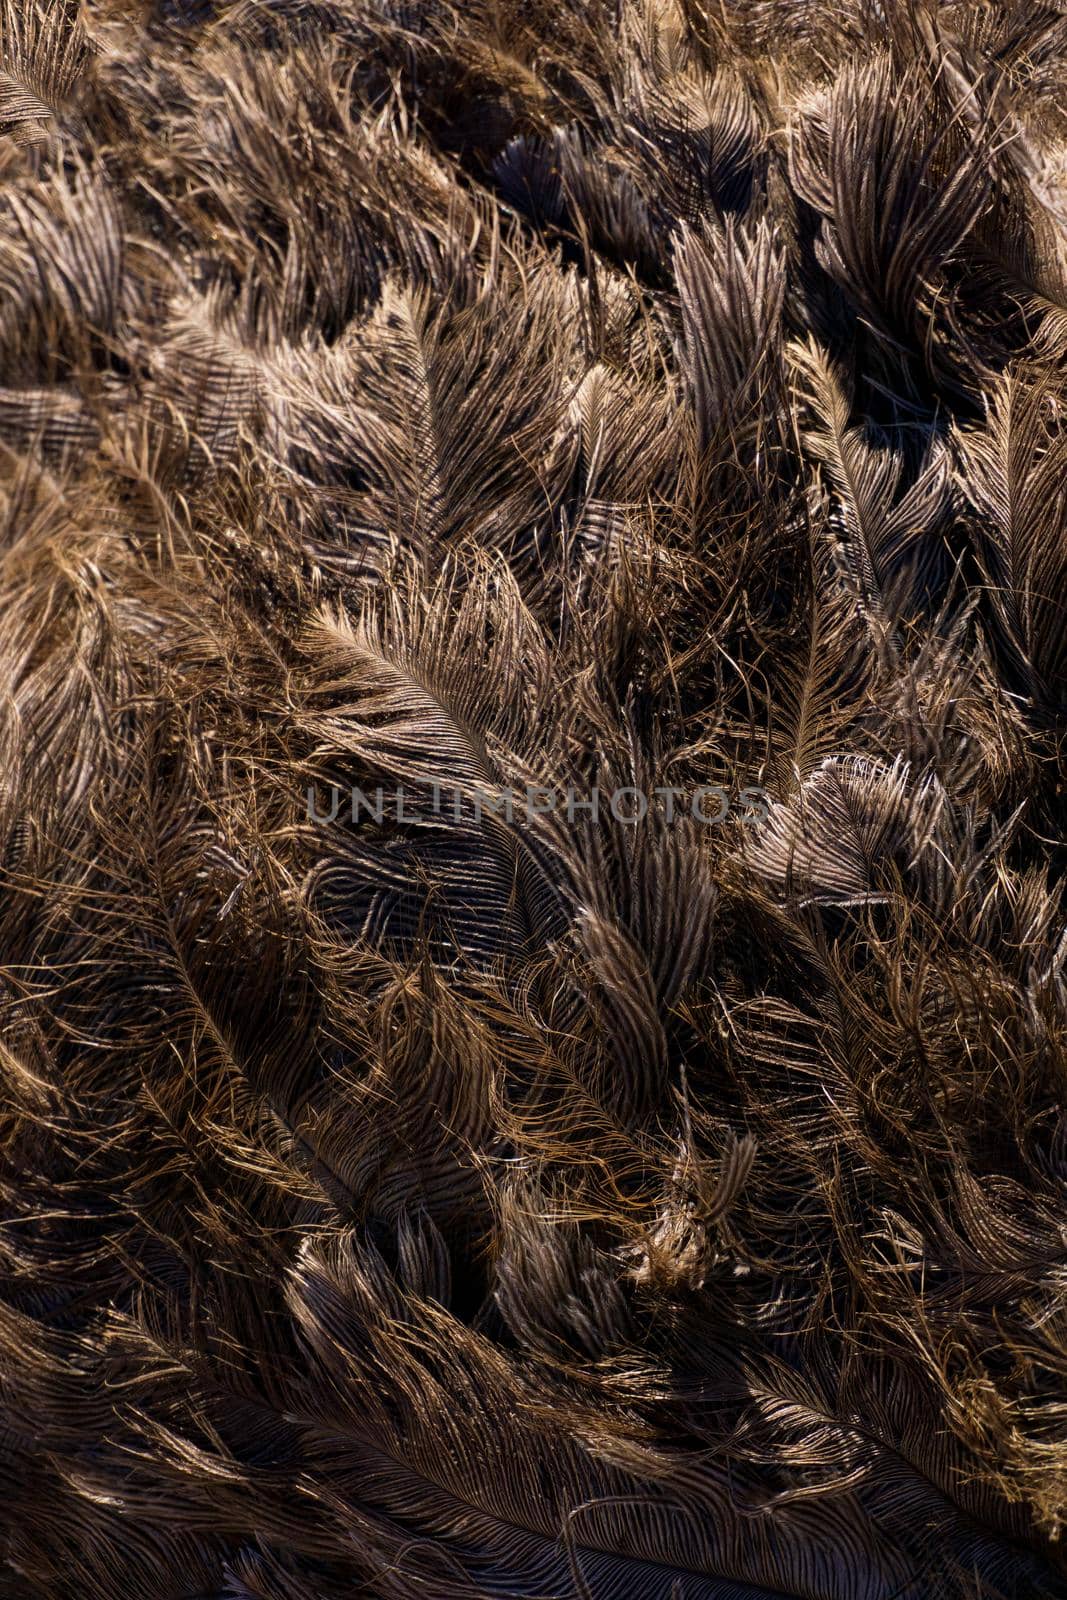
<point x="533" y="946"/>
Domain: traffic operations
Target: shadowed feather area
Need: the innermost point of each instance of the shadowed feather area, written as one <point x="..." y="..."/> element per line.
<point x="452" y="1200"/>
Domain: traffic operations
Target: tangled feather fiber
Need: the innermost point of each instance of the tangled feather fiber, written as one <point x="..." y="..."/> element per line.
<point x="552" y="395"/>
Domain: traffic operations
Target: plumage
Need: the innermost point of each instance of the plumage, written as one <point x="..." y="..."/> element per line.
<point x="423" y="427"/>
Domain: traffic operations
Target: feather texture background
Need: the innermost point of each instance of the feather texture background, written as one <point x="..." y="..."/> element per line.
<point x="548" y="394"/>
